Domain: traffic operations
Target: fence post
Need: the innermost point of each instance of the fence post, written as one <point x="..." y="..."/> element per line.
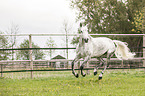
<point x="144" y="36"/>
<point x="143" y="51"/>
<point x="88" y="72"/>
<point x="1" y="70"/>
<point x="79" y="67"/>
<point x="30" y="55"/>
<point x="122" y="65"/>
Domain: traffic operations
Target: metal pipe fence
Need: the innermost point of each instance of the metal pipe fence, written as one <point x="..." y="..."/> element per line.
<point x="10" y="66"/>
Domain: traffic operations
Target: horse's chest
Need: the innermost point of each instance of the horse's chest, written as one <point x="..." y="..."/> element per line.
<point x="85" y="51"/>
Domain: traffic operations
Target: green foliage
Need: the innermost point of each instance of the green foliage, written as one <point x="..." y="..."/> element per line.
<point x="138" y="22"/>
<point x="50" y="44"/>
<point x="4" y="55"/>
<point x="24" y="54"/>
<point x="107" y="16"/>
<point x="111" y="17"/>
<point x="114" y="83"/>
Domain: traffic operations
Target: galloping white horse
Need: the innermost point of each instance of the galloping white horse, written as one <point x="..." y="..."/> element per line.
<point x="96" y="47"/>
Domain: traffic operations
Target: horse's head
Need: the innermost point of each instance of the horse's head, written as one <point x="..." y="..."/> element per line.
<point x="85" y="35"/>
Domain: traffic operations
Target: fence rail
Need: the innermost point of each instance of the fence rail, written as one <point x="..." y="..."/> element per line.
<point x="48" y="48"/>
<point x="60" y="60"/>
<point x="71" y="34"/>
<point x="66" y="69"/>
<point x="15" y="62"/>
<point x="36" y="49"/>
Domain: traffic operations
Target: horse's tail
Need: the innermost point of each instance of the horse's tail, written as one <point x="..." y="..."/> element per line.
<point x="122" y="51"/>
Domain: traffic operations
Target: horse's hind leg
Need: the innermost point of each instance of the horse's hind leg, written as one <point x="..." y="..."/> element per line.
<point x="105" y="64"/>
<point x="109" y="54"/>
<point x="102" y="62"/>
<point x="108" y="58"/>
<point x="96" y="67"/>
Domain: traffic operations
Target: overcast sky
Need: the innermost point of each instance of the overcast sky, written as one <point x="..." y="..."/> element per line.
<point x="36" y="16"/>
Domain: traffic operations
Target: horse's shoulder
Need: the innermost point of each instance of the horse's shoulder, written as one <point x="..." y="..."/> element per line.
<point x="102" y="39"/>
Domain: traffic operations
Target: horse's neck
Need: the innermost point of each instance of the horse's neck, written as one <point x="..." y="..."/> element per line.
<point x="82" y="44"/>
<point x="90" y="37"/>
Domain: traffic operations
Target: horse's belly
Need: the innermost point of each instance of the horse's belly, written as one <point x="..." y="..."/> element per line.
<point x="99" y="53"/>
<point x="101" y="46"/>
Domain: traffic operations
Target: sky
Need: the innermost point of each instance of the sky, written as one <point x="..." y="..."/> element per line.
<point x="37" y="17"/>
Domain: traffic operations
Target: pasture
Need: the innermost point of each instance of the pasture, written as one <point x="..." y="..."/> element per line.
<point x="114" y="83"/>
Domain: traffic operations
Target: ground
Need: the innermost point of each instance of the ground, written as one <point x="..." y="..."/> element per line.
<point x="114" y="83"/>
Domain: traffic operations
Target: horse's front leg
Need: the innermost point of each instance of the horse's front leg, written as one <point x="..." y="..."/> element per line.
<point x="82" y="66"/>
<point x="76" y="60"/>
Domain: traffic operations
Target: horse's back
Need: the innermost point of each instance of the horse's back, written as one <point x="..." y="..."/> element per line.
<point x="104" y="41"/>
<point x="101" y="45"/>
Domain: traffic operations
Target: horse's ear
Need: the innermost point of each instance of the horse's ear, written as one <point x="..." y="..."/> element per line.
<point x="80" y="28"/>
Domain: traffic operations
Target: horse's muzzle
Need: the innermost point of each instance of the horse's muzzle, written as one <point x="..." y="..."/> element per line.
<point x="86" y="40"/>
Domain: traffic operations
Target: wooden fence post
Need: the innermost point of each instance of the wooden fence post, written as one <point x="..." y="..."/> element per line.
<point x="30" y="55"/>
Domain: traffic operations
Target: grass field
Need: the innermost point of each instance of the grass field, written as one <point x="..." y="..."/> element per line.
<point x="114" y="83"/>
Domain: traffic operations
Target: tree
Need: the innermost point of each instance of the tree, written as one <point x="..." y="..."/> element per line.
<point x="110" y="16"/>
<point x="107" y="16"/>
<point x="50" y="44"/>
<point x="13" y="29"/>
<point x="24" y="54"/>
<point x="67" y="28"/>
<point x="4" y="55"/>
<point x="138" y="22"/>
<point x="10" y="40"/>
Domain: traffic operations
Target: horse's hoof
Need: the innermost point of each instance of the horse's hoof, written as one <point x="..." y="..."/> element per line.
<point x="95" y="73"/>
<point x="100" y="78"/>
<point x="84" y="75"/>
<point x="77" y="75"/>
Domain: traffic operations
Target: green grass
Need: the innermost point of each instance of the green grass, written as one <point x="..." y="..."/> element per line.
<point x="114" y="83"/>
